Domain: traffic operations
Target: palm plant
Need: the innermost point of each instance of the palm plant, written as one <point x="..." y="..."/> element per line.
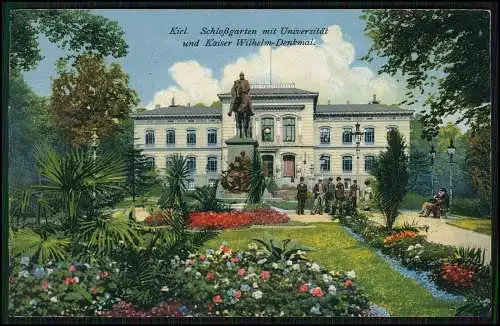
<point x="40" y="244"/>
<point x="74" y="176"/>
<point x="284" y="251"/>
<point x="257" y="180"/>
<point x="176" y="177"/>
<point x="207" y="197"/>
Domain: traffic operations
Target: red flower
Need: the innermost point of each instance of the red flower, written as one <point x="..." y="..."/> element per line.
<point x="103" y="275"/>
<point x="210" y="306"/>
<point x="237" y="294"/>
<point x="235" y="260"/>
<point x="225" y="249"/>
<point x="303" y="288"/>
<point x="217" y="299"/>
<point x="93" y="291"/>
<point x="45" y="284"/>
<point x="190" y="261"/>
<point x="202" y="258"/>
<point x="235" y="219"/>
<point x="210" y="276"/>
<point x="347" y="283"/>
<point x="317" y="292"/>
<point x="264" y="275"/>
<point x="69" y="280"/>
<point x="241" y="272"/>
<point x="72" y="269"/>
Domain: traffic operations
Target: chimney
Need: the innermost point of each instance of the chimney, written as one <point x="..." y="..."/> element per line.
<point x="173" y="101"/>
<point x="157" y="106"/>
<point x="328" y="101"/>
<point x="375" y="99"/>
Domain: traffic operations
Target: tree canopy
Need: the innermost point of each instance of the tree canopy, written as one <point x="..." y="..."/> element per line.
<point x="75" y="31"/>
<point x="444" y="56"/>
<point x="91" y="95"/>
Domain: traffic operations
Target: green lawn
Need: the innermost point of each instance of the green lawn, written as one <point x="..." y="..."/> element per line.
<point x="336" y="250"/>
<point x="479" y="225"/>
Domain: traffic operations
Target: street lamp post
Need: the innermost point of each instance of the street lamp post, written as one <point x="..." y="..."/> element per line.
<point x="358" y="134"/>
<point x="94" y="143"/>
<point x="432" y="154"/>
<point x="451" y="152"/>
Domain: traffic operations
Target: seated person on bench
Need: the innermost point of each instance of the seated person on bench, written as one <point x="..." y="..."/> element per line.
<point x="432" y="205"/>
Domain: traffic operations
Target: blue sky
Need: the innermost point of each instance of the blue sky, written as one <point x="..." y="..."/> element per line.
<point x="152" y="51"/>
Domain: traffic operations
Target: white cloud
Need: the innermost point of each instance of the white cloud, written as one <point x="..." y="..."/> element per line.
<point x="324" y="68"/>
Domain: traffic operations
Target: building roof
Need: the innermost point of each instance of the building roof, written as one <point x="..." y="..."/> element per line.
<point x="181" y="111"/>
<point x="275" y="91"/>
<point x="332" y="109"/>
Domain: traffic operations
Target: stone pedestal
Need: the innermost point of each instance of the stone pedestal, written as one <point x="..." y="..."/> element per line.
<point x="235" y="146"/>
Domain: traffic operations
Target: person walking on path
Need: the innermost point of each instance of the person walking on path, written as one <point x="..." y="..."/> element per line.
<point x="301" y="196"/>
<point x="353" y="193"/>
<point x="319" y="193"/>
<point x="329" y="195"/>
<point x="339" y="197"/>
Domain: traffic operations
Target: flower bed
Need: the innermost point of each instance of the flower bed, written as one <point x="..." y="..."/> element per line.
<point x="252" y="283"/>
<point x="235" y="219"/>
<point x="62" y="289"/>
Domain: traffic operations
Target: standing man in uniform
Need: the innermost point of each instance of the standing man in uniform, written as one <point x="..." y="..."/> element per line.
<point x="319" y="193"/>
<point x="329" y="195"/>
<point x="301" y="196"/>
<point x="339" y="196"/>
<point x="354" y="194"/>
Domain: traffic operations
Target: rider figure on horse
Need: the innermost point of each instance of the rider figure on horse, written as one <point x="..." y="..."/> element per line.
<point x="240" y="93"/>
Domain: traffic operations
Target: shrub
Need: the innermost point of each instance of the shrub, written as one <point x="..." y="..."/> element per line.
<point x="158" y="218"/>
<point x="473" y="207"/>
<point x="457" y="276"/>
<point x="250" y="283"/>
<point x="413" y="201"/>
<point x="62" y="289"/>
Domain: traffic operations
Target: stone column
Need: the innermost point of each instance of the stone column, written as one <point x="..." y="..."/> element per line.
<point x="278" y="130"/>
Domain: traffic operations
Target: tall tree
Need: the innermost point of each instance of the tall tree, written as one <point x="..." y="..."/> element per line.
<point x="479" y="163"/>
<point x="91" y="95"/>
<point x="443" y="53"/>
<point x="141" y="174"/>
<point x="75" y="31"/>
<point x="391" y="172"/>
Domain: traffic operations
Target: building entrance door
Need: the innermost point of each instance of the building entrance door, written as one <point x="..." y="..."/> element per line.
<point x="268" y="162"/>
<point x="289" y="167"/>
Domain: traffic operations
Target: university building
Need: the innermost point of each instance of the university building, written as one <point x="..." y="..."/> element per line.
<point x="296" y="135"/>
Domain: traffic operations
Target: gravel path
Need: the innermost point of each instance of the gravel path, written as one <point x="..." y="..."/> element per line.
<point x="441" y="232"/>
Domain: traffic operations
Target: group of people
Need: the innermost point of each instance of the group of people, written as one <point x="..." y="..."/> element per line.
<point x="331" y="197"/>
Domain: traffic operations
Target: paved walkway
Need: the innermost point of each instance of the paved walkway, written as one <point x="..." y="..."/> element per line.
<point x="441" y="232"/>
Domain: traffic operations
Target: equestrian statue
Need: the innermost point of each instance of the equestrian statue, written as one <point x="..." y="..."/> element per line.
<point x="241" y="105"/>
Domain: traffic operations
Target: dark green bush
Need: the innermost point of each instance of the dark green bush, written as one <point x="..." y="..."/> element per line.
<point x="473" y="207"/>
<point x="413" y="201"/>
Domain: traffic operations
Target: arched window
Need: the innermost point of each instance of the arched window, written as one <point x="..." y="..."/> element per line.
<point x="324" y="135"/>
<point x="267" y="129"/>
<point x="191" y="137"/>
<point x="170" y="137"/>
<point x="288" y="129"/>
<point x="150" y="137"/>
<point x="347" y="164"/>
<point x="191" y="164"/>
<point x="369" y="160"/>
<point x="347" y="136"/>
<point x="369" y="135"/>
<point x="212" y="136"/>
<point x="324" y="163"/>
<point x="212" y="164"/>
<point x="150" y="162"/>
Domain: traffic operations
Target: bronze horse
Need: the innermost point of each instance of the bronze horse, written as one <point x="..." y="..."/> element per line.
<point x="240" y="106"/>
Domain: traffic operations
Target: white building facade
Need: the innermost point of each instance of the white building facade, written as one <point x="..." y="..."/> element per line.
<point x="297" y="137"/>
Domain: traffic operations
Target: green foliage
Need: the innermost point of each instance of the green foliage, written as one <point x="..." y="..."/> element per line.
<point x="176" y="176"/>
<point x="141" y="177"/>
<point x="91" y="95"/>
<point x="433" y="62"/>
<point x="413" y="201"/>
<point x="478" y="163"/>
<point x="271" y="185"/>
<point x="391" y="172"/>
<point x="74" y="176"/>
<point x="40" y="245"/>
<point x="281" y="251"/>
<point x="75" y="31"/>
<point x="479" y="302"/>
<point x="206" y="197"/>
<point x="257" y="180"/>
<point x="101" y="234"/>
<point x="470" y="207"/>
<point x="472" y="258"/>
<point x="251" y="207"/>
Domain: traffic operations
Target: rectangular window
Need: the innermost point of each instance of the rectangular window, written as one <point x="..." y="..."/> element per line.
<point x="369" y="160"/>
<point x="191" y="137"/>
<point x="347" y="136"/>
<point x="150" y="137"/>
<point x="369" y="136"/>
<point x="168" y="161"/>
<point x="289" y="129"/>
<point x="324" y="135"/>
<point x="191" y="164"/>
<point x="212" y="164"/>
<point x="212" y="136"/>
<point x="324" y="163"/>
<point x="171" y="137"/>
<point x="268" y="129"/>
<point x="347" y="164"/>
